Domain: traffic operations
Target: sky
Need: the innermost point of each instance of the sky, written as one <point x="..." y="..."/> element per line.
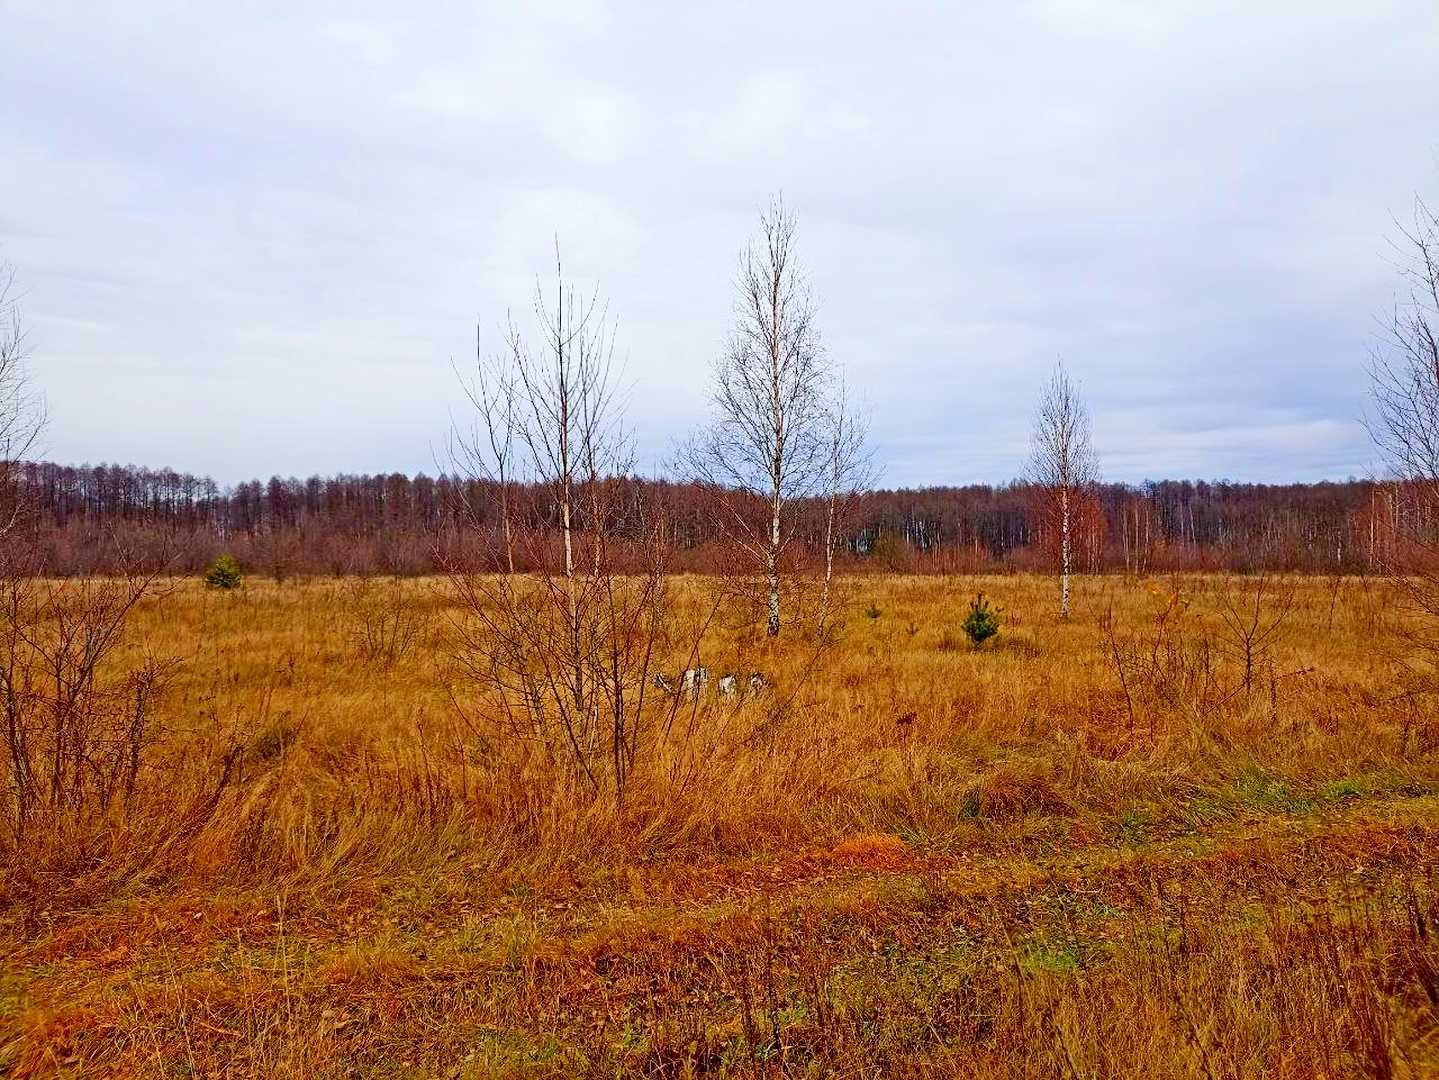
<point x="256" y="239"/>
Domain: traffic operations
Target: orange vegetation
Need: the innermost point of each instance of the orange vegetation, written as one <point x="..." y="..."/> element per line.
<point x="1085" y="849"/>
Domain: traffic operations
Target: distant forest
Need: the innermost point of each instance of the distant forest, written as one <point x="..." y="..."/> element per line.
<point x="97" y="518"/>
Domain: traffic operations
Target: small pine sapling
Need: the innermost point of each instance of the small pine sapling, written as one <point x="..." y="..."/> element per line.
<point x="224" y="573"/>
<point x="982" y="622"/>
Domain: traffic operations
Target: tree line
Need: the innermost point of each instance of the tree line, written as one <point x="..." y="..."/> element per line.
<point x="90" y="516"/>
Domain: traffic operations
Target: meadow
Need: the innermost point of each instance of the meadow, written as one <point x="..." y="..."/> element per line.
<point x="1189" y="832"/>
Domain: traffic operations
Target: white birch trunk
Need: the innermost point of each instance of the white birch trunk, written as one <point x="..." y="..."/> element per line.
<point x="771" y="568"/>
<point x="1064" y="553"/>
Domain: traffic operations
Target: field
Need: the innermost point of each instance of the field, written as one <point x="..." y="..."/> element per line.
<point x="1091" y="848"/>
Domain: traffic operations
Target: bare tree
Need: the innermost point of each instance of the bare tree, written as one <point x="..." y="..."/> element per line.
<point x="484" y="449"/>
<point x="22" y="416"/>
<point x="1062" y="465"/>
<point x="1404" y="421"/>
<point x="766" y="446"/>
<point x="561" y="659"/>
<point x="848" y="473"/>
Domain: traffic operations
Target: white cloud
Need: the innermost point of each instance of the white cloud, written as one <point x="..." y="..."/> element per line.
<point x="252" y="238"/>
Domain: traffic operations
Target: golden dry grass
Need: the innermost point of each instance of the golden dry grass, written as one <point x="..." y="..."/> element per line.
<point x="909" y="858"/>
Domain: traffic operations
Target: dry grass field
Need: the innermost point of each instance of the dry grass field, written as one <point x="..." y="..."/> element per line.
<point x="1085" y="849"/>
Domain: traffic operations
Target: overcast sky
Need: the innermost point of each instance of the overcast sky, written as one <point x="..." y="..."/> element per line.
<point x="252" y="237"/>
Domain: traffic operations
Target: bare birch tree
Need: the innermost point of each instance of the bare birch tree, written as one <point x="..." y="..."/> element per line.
<point x="1062" y="465"/>
<point x="766" y="445"/>
<point x="1404" y="421"/>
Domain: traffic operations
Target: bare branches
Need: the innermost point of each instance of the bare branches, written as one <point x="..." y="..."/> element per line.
<point x="772" y="398"/>
<point x="22" y="416"/>
<point x="1061" y="452"/>
<point x="1254" y="612"/>
<point x="74" y="739"/>
<point x="1405" y="369"/>
<point x="769" y="383"/>
<point x="849" y="471"/>
<point x="560" y="661"/>
<point x="1404" y="376"/>
<point x="1062" y="463"/>
<point x="484" y="450"/>
<point x="385" y="622"/>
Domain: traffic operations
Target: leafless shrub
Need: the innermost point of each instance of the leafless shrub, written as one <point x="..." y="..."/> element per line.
<point x="280" y="550"/>
<point x="77" y="719"/>
<point x="1254" y="611"/>
<point x="384" y="623"/>
<point x="80" y="735"/>
<point x="73" y="740"/>
<point x="561" y="660"/>
<point x="1173" y="665"/>
<point x="1167" y="665"/>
